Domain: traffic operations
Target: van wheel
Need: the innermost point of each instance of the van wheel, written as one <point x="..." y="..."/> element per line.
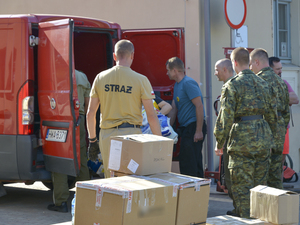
<point x="71" y="183"/>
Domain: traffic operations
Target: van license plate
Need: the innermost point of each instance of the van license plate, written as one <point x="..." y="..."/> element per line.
<point x="56" y="135"/>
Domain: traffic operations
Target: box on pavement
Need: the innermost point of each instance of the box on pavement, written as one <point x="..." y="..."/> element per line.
<point x="140" y="154"/>
<point x="266" y="223"/>
<point x="124" y="200"/>
<point x="193" y="196"/>
<point x="229" y="220"/>
<point x="274" y="205"/>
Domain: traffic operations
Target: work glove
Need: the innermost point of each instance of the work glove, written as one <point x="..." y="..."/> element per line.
<point x="93" y="151"/>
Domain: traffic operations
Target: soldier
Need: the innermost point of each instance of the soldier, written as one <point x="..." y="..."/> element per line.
<point x="259" y="64"/>
<point x="60" y="181"/>
<point x="247" y="117"/>
<point x="224" y="72"/>
<point x="276" y="65"/>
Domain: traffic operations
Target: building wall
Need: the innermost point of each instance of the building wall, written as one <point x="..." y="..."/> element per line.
<point x="291" y="73"/>
<point x="133" y="14"/>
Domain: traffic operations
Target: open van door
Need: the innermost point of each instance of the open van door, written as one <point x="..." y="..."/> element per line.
<point x="57" y="97"/>
<point x="152" y="49"/>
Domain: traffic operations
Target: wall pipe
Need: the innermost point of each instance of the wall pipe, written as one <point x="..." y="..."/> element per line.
<point x="209" y="142"/>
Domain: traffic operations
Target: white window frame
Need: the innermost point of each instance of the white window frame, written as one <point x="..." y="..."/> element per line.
<point x="287" y="58"/>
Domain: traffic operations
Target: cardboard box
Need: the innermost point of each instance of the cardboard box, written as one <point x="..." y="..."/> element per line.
<point x="193" y="197"/>
<point x="229" y="220"/>
<point x="274" y="205"/>
<point x="266" y="223"/>
<point x="124" y="200"/>
<point x="118" y="174"/>
<point x="175" y="167"/>
<point x="140" y="154"/>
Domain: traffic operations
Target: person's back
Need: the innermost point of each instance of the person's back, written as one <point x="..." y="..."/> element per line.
<point x="259" y="63"/>
<point x="252" y="98"/>
<point x="120" y="90"/>
<point x="279" y="87"/>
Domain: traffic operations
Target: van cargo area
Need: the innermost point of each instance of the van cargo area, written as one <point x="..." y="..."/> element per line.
<point x="38" y="94"/>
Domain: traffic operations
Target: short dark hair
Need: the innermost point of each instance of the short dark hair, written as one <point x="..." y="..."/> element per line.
<point x="272" y="60"/>
<point x="175" y="62"/>
<point x="241" y="55"/>
<point x="260" y="54"/>
<point x="123" y="48"/>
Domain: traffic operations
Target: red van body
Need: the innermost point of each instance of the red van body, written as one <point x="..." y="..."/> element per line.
<point x="39" y="108"/>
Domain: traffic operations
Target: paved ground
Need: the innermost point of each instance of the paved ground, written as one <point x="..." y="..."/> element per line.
<point x="28" y="205"/>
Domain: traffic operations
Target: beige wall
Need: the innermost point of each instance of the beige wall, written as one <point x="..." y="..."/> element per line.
<point x="291" y="73"/>
<point x="133" y="14"/>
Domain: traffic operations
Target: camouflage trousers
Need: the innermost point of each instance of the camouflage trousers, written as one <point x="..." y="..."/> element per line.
<point x="247" y="170"/>
<point x="275" y="171"/>
<point x="227" y="174"/>
<point x="60" y="181"/>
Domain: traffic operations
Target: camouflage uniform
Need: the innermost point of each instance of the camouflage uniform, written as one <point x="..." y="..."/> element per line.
<point x="226" y="170"/>
<point x="282" y="96"/>
<point x="249" y="142"/>
<point x="60" y="181"/>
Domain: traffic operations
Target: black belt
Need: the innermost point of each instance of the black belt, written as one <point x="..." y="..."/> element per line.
<point x="127" y="125"/>
<point x="279" y="114"/>
<point x="245" y="118"/>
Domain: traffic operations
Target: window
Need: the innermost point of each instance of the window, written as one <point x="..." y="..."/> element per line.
<point x="282" y="29"/>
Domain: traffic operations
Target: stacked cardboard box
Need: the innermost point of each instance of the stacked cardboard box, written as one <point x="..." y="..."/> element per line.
<point x="273" y="205"/>
<point x="140" y="154"/>
<point x="157" y="197"/>
<point x="124" y="201"/>
<point x="193" y="197"/>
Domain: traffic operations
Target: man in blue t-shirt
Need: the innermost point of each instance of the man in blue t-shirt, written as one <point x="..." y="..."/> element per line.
<point x="187" y="104"/>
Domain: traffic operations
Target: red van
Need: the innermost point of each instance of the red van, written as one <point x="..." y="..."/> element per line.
<point x="39" y="108"/>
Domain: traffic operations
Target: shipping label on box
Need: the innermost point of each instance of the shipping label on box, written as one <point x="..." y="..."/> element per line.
<point x="140" y="154"/>
<point x="124" y="200"/>
<point x="274" y="205"/>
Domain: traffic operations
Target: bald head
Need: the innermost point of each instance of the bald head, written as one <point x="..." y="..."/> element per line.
<point x="223" y="69"/>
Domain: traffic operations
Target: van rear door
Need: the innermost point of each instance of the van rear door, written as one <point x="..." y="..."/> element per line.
<point x="57" y="97"/>
<point x="152" y="49"/>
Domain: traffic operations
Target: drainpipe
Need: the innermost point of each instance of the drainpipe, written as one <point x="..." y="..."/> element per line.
<point x="209" y="137"/>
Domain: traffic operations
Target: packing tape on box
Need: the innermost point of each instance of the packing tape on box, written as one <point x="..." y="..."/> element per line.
<point x="125" y="193"/>
<point x="196" y="181"/>
<point x="99" y="195"/>
<point x="129" y="202"/>
<point x="109" y="188"/>
<point x="175" y="185"/>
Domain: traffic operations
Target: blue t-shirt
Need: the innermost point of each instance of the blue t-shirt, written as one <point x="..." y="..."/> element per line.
<point x="184" y="91"/>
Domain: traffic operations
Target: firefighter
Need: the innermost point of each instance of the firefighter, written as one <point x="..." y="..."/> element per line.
<point x="121" y="92"/>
